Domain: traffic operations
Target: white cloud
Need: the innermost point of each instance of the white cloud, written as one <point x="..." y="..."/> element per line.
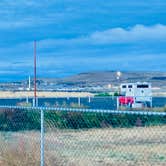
<point x="137" y="33"/>
<point x="129" y="35"/>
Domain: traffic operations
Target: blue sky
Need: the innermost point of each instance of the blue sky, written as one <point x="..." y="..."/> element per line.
<point x="76" y="36"/>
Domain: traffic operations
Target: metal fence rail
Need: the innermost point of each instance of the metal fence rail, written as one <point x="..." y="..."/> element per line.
<point x="140" y="112"/>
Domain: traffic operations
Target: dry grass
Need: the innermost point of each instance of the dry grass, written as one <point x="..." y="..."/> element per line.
<point x="154" y="109"/>
<point x="97" y="147"/>
<point x="24" y="151"/>
<point x="22" y="94"/>
<point x="16" y="156"/>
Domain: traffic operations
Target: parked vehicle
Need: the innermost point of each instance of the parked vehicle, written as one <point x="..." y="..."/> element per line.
<point x="135" y="95"/>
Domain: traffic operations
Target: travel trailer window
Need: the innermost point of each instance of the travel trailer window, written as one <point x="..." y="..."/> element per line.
<point x="142" y="86"/>
<point x="130" y="86"/>
<point x="124" y="86"/>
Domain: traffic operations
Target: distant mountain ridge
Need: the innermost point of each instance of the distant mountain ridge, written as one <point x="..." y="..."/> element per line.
<point x="102" y="78"/>
<point x="98" y="79"/>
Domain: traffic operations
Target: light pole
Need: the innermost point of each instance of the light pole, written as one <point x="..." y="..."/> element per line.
<point x="118" y="75"/>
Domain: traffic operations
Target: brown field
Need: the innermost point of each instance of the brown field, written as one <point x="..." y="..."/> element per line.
<point x="97" y="147"/>
<point x="24" y="94"/>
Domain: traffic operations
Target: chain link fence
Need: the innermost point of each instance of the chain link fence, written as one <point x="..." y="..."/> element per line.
<point x="80" y="137"/>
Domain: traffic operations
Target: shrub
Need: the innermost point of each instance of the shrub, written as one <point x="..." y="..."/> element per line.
<point x="16" y="120"/>
<point x="102" y="95"/>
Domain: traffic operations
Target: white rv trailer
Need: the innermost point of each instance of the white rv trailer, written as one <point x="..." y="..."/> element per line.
<point x="140" y="92"/>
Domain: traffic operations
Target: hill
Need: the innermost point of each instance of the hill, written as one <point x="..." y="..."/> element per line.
<point x="102" y="78"/>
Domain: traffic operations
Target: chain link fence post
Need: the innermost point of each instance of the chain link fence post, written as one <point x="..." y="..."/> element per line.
<point x="42" y="138"/>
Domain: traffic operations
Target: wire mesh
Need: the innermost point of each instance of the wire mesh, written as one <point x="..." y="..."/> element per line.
<point x="78" y="137"/>
<point x="106" y="139"/>
<point x="19" y="141"/>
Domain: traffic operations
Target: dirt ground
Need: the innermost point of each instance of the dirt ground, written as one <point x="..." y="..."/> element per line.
<point x="98" y="147"/>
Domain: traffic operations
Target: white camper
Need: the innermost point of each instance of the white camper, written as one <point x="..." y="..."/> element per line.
<point x="140" y="92"/>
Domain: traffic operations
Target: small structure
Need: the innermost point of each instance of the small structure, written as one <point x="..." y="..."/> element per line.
<point x="135" y="95"/>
